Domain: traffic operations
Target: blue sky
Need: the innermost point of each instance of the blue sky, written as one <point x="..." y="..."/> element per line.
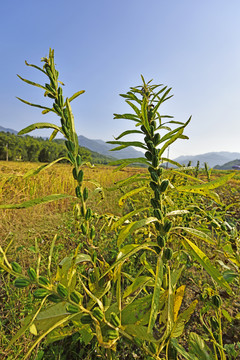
<point x="102" y="46"/>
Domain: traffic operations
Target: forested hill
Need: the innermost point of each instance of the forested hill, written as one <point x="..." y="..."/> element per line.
<point x="28" y="148"/>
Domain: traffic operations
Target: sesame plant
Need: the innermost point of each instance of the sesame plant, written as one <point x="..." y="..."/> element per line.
<point x="136" y="299"/>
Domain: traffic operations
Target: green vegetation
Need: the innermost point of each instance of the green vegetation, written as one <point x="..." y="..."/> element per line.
<point x="28" y="148"/>
<point x="155" y="278"/>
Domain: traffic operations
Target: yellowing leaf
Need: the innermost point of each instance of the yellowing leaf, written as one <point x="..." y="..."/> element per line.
<point x="178" y="300"/>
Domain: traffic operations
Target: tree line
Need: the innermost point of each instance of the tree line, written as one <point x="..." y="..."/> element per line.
<point x="36" y="149"/>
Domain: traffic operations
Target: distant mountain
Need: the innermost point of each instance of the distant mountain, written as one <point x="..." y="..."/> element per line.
<point x="103" y="148"/>
<point x="229" y="165"/>
<point x="212" y="159"/>
<point x="98" y="146"/>
<point x="8" y="130"/>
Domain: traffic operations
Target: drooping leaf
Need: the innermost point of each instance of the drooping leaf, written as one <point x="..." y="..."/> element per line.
<point x="137" y="284"/>
<point x="127" y="133"/>
<point x="137" y="311"/>
<point x="199" y="348"/>
<point x="125" y="162"/>
<point x="140" y="332"/>
<point x="74" y="96"/>
<point x="126" y="117"/>
<point x="130" y="228"/>
<point x="199" y="234"/>
<point x="35" y="105"/>
<point x="32" y="83"/>
<point x="33" y="172"/>
<point x="33" y="202"/>
<point x="39" y="126"/>
<point x="122" y="219"/>
<point x="124" y="144"/>
<point x="182" y="319"/>
<point x="130" y="194"/>
<point x="206" y="263"/>
<point x="209" y="185"/>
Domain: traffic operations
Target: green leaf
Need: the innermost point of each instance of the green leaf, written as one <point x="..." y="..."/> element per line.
<point x="35" y="105"/>
<point x="74" y="96"/>
<point x="130" y="228"/>
<point x="180" y="349"/>
<point x="126" y="117"/>
<point x="125" y="144"/>
<point x="137" y="285"/>
<point x="33" y="172"/>
<point x="32" y="83"/>
<point x="33" y="202"/>
<point x="134" y="107"/>
<point x="125" y="162"/>
<point x="137" y="311"/>
<point x="156" y="294"/>
<point x="199" y="234"/>
<point x="140" y="332"/>
<point x="206" y="263"/>
<point x="38" y="126"/>
<point x="127" y="133"/>
<point x="130" y="194"/>
<point x="199" y="349"/>
<point x="182" y="319"/>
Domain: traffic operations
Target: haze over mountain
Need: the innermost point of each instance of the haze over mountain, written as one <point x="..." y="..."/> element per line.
<point x="211" y="158"/>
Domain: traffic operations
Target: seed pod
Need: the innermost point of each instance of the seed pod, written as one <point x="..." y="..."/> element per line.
<point x="92" y="232"/>
<point x="79" y="160"/>
<point x="167" y="253"/>
<point x="78" y="192"/>
<point x="70" y="145"/>
<point x="112" y="334"/>
<point x="54" y="298"/>
<point x="155" y="204"/>
<point x="156" y="139"/>
<point x="43" y="280"/>
<point x="71" y="158"/>
<point x="152" y="347"/>
<point x="154" y="176"/>
<point x="21" y="283"/>
<point x="84" y="229"/>
<point x="167" y="226"/>
<point x="144" y="130"/>
<point x="98" y="314"/>
<point x="75" y="297"/>
<point x="72" y="309"/>
<point x="157" y="213"/>
<point x="86" y="319"/>
<point x="40" y="293"/>
<point x="52" y="90"/>
<point x="157" y="194"/>
<point x="154" y="124"/>
<point x="88" y="214"/>
<point x="65" y="113"/>
<point x="216" y="300"/>
<point x="153" y="185"/>
<point x="223" y="227"/>
<point x="51" y="96"/>
<point x="16" y="267"/>
<point x="74" y="172"/>
<point x="150" y="145"/>
<point x="57" y="109"/>
<point x="158" y="226"/>
<point x="148" y="155"/>
<point x="60" y="91"/>
<point x="152" y="130"/>
<point x="65" y="130"/>
<point x="32" y="274"/>
<point x="57" y="74"/>
<point x="164" y="185"/>
<point x="114" y="319"/>
<point x="62" y="291"/>
<point x="155" y="161"/>
<point x="159" y="171"/>
<point x="161" y="241"/>
<point x="85" y="194"/>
